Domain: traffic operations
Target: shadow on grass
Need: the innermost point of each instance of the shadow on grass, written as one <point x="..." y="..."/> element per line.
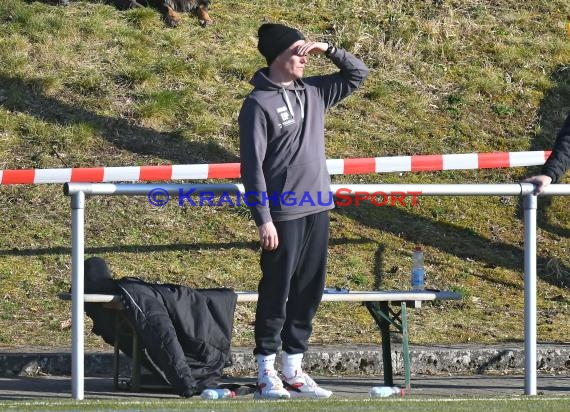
<point x="455" y="240"/>
<point x="98" y="250"/>
<point x="378" y="271"/>
<point x="24" y="95"/>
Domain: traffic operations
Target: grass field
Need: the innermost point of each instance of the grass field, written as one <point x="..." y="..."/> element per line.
<point x="418" y="404"/>
<point x="91" y="85"/>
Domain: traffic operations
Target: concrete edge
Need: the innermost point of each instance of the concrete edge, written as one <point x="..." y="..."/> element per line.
<point x="323" y="361"/>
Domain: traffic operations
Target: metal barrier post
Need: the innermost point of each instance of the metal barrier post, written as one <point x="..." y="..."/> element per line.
<point x="530" y="205"/>
<point x="77" y="281"/>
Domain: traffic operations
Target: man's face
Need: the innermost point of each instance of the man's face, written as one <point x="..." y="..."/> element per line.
<point x="290" y="63"/>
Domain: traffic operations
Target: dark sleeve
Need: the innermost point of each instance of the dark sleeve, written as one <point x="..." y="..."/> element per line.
<point x="559" y="160"/>
<point x="335" y="87"/>
<point x="252" y="146"/>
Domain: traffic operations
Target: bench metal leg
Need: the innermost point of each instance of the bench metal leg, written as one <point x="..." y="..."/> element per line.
<point x="386" y="345"/>
<point x="381" y="314"/>
<point x="124" y="327"/>
<point x="136" y="368"/>
<point x="116" y="351"/>
<point x="405" y="347"/>
<point x="384" y="318"/>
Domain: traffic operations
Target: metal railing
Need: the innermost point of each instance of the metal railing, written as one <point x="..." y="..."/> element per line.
<point x="79" y="191"/>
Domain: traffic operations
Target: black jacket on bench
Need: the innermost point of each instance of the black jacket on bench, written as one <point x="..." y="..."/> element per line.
<point x="186" y="333"/>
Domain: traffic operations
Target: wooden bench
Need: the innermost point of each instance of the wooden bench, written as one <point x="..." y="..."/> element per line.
<point x="388" y="309"/>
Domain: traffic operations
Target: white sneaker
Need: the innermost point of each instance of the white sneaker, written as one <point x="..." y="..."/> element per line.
<point x="270" y="387"/>
<point x="302" y="386"/>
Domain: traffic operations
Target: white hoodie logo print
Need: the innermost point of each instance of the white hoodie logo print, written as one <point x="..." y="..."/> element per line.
<point x="285" y="117"/>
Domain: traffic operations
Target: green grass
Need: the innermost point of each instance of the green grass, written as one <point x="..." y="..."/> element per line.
<point x="89" y="85"/>
<point x="417" y="404"/>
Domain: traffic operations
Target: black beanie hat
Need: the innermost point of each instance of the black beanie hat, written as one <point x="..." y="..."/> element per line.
<point x="274" y="39"/>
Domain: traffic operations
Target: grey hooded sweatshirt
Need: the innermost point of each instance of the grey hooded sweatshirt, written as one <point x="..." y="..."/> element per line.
<point x="282" y="150"/>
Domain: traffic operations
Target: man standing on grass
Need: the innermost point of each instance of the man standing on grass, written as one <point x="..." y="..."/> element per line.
<point x="558" y="161"/>
<point x="284" y="171"/>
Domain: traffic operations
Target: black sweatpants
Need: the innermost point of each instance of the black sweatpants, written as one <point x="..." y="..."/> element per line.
<point x="291" y="287"/>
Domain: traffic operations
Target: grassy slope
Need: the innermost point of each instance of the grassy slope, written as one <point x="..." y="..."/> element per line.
<point x="89" y="85"/>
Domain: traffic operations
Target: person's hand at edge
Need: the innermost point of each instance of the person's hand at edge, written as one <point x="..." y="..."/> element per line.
<point x="540" y="182"/>
<point x="268" y="236"/>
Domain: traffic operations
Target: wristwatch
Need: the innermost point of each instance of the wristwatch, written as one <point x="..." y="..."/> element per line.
<point x="330" y="50"/>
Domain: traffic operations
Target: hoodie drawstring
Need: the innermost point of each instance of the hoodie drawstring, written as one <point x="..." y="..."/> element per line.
<point x="301" y="104"/>
<point x="288" y="103"/>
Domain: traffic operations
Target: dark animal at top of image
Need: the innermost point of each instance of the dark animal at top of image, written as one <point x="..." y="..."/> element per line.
<point x="172" y="9"/>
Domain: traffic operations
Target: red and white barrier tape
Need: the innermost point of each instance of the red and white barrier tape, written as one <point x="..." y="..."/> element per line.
<point x="417" y="163"/>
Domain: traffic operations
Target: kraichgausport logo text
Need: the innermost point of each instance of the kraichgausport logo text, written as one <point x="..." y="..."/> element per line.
<point x="341" y="198"/>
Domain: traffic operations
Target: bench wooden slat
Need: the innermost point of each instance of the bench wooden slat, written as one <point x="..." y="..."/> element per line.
<point x="352" y="296"/>
<point x="371" y="296"/>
